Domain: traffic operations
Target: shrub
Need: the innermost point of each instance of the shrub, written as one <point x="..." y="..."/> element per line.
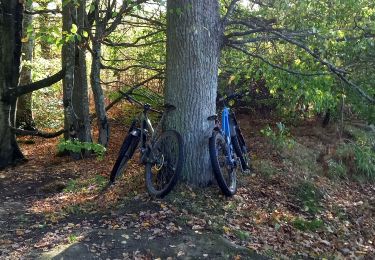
<point x="76" y="146"/>
<point x="280" y="139"/>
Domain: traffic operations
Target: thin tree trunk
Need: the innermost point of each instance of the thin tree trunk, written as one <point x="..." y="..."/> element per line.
<point x="68" y="61"/>
<point x="95" y="83"/>
<point x="192" y="69"/>
<point x="24" y="114"/>
<point x="80" y="91"/>
<point x="44" y="22"/>
<point x="10" y="54"/>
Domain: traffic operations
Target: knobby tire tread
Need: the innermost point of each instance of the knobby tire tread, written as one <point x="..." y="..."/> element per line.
<point x="148" y="171"/>
<point x="215" y="164"/>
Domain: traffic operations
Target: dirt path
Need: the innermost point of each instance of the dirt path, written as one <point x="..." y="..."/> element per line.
<point x="137" y="229"/>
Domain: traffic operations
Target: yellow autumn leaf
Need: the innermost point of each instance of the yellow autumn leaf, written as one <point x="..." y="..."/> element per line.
<point x="25" y="39"/>
<point x="146" y="224"/>
<point x="226" y="229"/>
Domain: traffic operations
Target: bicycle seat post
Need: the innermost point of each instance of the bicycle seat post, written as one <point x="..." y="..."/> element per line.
<point x="146" y="107"/>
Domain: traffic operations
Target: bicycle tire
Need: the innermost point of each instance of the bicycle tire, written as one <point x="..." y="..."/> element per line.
<point x="127" y="150"/>
<point x="240" y="149"/>
<point x="164" y="165"/>
<point x="220" y="166"/>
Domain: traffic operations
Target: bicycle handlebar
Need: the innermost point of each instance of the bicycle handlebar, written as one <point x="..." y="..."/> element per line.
<point x="232" y="96"/>
<point x="145" y="106"/>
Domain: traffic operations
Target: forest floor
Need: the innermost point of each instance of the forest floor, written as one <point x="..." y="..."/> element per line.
<point x="288" y="207"/>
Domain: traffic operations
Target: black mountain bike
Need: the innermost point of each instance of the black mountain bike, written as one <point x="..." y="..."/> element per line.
<point x="228" y="149"/>
<point x="161" y="152"/>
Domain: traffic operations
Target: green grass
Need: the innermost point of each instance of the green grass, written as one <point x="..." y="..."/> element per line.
<point x="336" y="170"/>
<point x="309" y="196"/>
<point x="265" y="168"/>
<point x="306" y="225"/>
<point x="72" y="238"/>
<point x="96" y="182"/>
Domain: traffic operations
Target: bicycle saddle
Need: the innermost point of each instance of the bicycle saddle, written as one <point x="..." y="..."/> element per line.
<point x="211" y="118"/>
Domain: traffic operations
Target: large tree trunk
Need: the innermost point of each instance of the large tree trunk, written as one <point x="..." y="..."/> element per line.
<point x="97" y="90"/>
<point x="24" y="117"/>
<point x="10" y="53"/>
<point x="192" y="69"/>
<point x="80" y="91"/>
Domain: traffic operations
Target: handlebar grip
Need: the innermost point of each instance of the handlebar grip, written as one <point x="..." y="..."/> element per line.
<point x="231" y="96"/>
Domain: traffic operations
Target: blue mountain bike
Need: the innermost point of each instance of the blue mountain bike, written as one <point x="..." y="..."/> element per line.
<point x="227" y="147"/>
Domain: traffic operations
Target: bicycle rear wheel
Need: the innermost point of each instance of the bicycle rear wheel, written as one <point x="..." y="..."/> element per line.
<point x="164" y="163"/>
<point x="224" y="172"/>
<point x="126" y="152"/>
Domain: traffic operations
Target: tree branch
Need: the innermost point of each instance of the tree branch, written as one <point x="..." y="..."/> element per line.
<point x="230" y="10"/>
<point x="130" y="45"/>
<point x="114" y="102"/>
<point x="129" y="67"/>
<point x="152" y="21"/>
<point x="337" y="71"/>
<point x="125" y="8"/>
<point x="34" y="12"/>
<point x="21" y="90"/>
<point x="244" y="33"/>
<point x="37" y="133"/>
<point x="275" y="65"/>
<point x="134" y="44"/>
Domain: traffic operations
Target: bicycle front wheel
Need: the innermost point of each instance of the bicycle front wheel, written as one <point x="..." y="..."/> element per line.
<point x="239" y="147"/>
<point x="126" y="152"/>
<point x="223" y="169"/>
<point x="164" y="163"/>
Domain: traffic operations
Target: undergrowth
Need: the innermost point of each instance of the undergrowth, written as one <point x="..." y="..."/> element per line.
<point x="308" y="196"/>
<point x="280" y="139"/>
<point x="355" y="158"/>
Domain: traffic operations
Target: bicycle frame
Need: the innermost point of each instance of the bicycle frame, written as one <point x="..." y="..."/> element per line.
<point x="226" y="128"/>
<point x="142" y="131"/>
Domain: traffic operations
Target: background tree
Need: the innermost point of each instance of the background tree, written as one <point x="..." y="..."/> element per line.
<point x="24" y="116"/>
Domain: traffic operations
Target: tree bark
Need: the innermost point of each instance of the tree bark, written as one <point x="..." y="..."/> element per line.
<point x="10" y="54"/>
<point x="24" y="114"/>
<point x="80" y="91"/>
<point x="68" y="62"/>
<point x="193" y="28"/>
<point x="97" y="90"/>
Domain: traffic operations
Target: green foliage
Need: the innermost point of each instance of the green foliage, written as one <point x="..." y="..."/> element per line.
<point x="355" y="158"/>
<point x="72" y="238"/>
<point x="306" y="225"/>
<point x="329" y="30"/>
<point x="46" y="104"/>
<point x="72" y="186"/>
<point x="76" y="146"/>
<point x="280" y="139"/>
<point x="265" y="168"/>
<point x="309" y="196"/>
<point x="242" y="235"/>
